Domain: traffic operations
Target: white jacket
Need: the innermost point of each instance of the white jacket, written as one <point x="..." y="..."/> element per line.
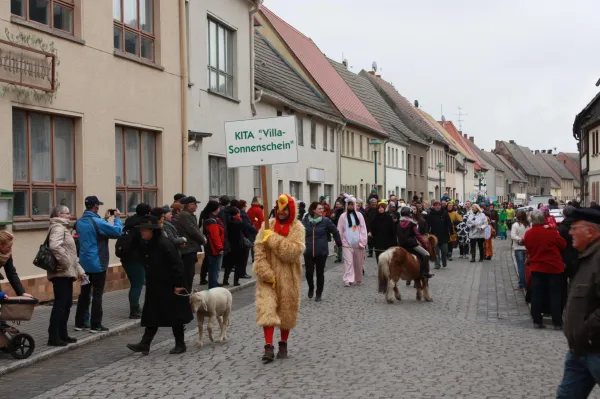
<point x="63" y="248"/>
<point x="517" y="232"/>
<point x="477" y="223"/>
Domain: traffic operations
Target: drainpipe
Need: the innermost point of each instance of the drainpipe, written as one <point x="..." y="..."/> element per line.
<point x="184" y="94"/>
<point x="253" y="97"/>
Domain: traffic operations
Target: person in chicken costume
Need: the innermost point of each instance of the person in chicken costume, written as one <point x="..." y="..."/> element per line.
<point x="277" y="264"/>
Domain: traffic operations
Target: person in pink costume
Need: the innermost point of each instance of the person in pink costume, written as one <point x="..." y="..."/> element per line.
<point x="353" y="231"/>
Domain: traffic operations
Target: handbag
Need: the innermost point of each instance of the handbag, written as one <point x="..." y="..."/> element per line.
<point x="45" y="258"/>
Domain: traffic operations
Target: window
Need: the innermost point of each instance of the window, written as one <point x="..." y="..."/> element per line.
<point x="257" y="182"/>
<point x="396" y="161"/>
<point x="343" y="142"/>
<point x="421" y="165"/>
<point x="295" y="189"/>
<point x="388" y="160"/>
<point x="222" y="179"/>
<point x="347" y="142"/>
<point x="324" y="137"/>
<point x="134" y="27"/>
<point x="279" y="113"/>
<point x="408" y="164"/>
<point x="57" y="14"/>
<point x="220" y="58"/>
<point x="300" y="129"/>
<point x="135" y="156"/>
<point x="43" y="164"/>
<point x="352" y="143"/>
<point x="328" y="191"/>
<point x="361" y="146"/>
<point x="331" y="139"/>
<point x="402" y="159"/>
<point x="313" y="133"/>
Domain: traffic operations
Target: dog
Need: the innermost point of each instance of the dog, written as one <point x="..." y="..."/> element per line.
<point x="216" y="305"/>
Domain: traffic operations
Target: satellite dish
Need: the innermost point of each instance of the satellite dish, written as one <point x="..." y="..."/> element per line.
<point x="374" y="66"/>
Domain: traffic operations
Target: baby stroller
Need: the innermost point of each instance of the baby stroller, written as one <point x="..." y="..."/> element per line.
<point x="16" y="309"/>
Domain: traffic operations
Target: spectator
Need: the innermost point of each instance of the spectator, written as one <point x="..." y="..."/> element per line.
<point x="257" y="217"/>
<point x="371" y="214"/>
<point x="382" y="231"/>
<point x="477" y="223"/>
<point x="132" y="263"/>
<point x="455" y="218"/>
<point x="570" y="255"/>
<point x="301" y="210"/>
<point x="178" y="197"/>
<point x="94" y="233"/>
<point x="214" y="230"/>
<point x="63" y="248"/>
<point x="164" y="279"/>
<point x="326" y="207"/>
<point x="235" y="235"/>
<point x="163" y="214"/>
<point x="335" y="217"/>
<point x="440" y="226"/>
<point x="318" y="229"/>
<point x="517" y="233"/>
<point x="543" y="247"/>
<point x="552" y="203"/>
<point x="187" y="227"/>
<point x="250" y="233"/>
<point x="375" y="196"/>
<point x="176" y="208"/>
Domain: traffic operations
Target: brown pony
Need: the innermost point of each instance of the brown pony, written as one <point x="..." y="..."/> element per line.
<point x="398" y="264"/>
<point x="433" y="243"/>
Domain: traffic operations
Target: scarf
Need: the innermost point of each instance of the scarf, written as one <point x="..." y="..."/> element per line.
<point x="314" y="220"/>
<point x="348" y="213"/>
<point x="4" y="258"/>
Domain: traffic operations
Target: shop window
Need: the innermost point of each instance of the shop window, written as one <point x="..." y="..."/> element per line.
<point x="300" y="129"/>
<point x="222" y="179"/>
<point x="220" y="58"/>
<point x="295" y="189"/>
<point x="43" y="164"/>
<point x="134" y="27"/>
<point x="257" y="182"/>
<point x="135" y="156"/>
<point x="57" y="14"/>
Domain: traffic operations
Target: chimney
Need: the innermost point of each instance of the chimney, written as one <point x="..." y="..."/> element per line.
<point x="511" y="141"/>
<point x="372" y="73"/>
<point x="536" y="151"/>
<point x="543" y="151"/>
<point x="497" y="144"/>
<point x="549" y="151"/>
<point x="472" y="139"/>
<point x="465" y="135"/>
<point x="379" y="76"/>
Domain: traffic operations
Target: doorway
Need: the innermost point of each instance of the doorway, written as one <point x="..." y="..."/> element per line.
<point x="314" y="192"/>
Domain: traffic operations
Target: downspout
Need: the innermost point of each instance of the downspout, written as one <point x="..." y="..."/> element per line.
<point x="253" y="97"/>
<point x="184" y="94"/>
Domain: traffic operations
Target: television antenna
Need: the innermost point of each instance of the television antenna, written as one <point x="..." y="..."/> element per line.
<point x="460" y="119"/>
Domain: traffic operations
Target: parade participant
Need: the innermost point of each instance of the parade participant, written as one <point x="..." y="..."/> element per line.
<point x="361" y="209"/>
<point x="335" y="217"/>
<point x="502" y="228"/>
<point x="468" y="207"/>
<point x="373" y="195"/>
<point x="502" y="219"/>
<point x="411" y="240"/>
<point x="318" y="229"/>
<point x="256" y="216"/>
<point x="417" y="215"/>
<point x="371" y="213"/>
<point x="494" y="217"/>
<point x="490" y="234"/>
<point x="440" y="226"/>
<point x="326" y="207"/>
<point x="517" y="233"/>
<point x="401" y="203"/>
<point x="165" y="278"/>
<point x="455" y="218"/>
<point x="383" y="230"/>
<point x="301" y="210"/>
<point x="582" y="313"/>
<point x="393" y="211"/>
<point x="445" y="197"/>
<point x="462" y="233"/>
<point x="477" y="222"/>
<point x="543" y="247"/>
<point x="353" y="230"/>
<point x="278" y="269"/>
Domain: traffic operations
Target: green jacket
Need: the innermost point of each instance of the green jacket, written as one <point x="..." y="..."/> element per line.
<point x="187" y="226"/>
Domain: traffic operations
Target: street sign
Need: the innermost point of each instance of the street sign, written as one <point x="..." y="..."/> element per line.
<point x="259" y="142"/>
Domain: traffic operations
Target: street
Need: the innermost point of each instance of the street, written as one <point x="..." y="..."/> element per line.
<point x="475" y="340"/>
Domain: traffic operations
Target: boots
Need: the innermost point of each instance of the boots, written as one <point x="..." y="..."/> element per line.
<point x="135" y="312"/>
<point x="269" y="355"/>
<point x="178" y="349"/>
<point x="179" y="341"/>
<point x="282" y="353"/>
<point x="141" y="347"/>
<point x="311" y="291"/>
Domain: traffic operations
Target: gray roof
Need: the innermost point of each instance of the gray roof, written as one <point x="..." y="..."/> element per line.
<point x="486" y="164"/>
<point x="376" y="105"/>
<point x="521" y="155"/>
<point x="557" y="166"/>
<point x="541" y="166"/>
<point x="493" y="160"/>
<point x="509" y="171"/>
<point x="405" y="111"/>
<point x="274" y="74"/>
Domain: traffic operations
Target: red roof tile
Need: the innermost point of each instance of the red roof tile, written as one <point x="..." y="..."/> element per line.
<point x="324" y="73"/>
<point x="450" y="128"/>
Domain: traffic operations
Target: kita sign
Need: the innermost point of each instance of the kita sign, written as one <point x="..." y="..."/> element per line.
<point x="256" y="142"/>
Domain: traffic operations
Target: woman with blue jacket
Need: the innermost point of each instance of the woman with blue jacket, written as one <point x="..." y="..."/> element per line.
<point x="318" y="229"/>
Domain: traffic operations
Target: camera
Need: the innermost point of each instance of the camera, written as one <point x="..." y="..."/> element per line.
<point x="112" y="211"/>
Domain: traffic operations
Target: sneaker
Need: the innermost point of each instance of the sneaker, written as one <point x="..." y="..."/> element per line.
<point x="347" y="285"/>
<point x="100" y="329"/>
<point x="82" y="327"/>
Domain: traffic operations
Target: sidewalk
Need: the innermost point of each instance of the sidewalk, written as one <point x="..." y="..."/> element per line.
<point x="116" y="317"/>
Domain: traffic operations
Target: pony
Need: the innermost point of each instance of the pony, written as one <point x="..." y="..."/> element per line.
<point x="398" y="264"/>
<point x="433" y="243"/>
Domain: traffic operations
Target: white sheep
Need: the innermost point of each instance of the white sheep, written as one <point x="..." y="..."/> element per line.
<point x="216" y="304"/>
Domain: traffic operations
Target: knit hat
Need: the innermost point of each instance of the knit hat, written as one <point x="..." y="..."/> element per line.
<point x="322" y="198"/>
<point x="382" y="204"/>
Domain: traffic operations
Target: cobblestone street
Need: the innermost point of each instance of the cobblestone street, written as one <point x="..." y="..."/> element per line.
<point x="473" y="341"/>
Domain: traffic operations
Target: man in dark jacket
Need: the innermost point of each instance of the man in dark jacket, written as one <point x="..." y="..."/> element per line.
<point x="440" y="226"/>
<point x="371" y="214"/>
<point x="187" y="226"/>
<point x="570" y="255"/>
<point x="582" y="314"/>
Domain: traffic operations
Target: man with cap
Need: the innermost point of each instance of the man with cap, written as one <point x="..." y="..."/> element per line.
<point x="582" y="313"/>
<point x="94" y="233"/>
<point x="187" y="227"/>
<point x="178" y="197"/>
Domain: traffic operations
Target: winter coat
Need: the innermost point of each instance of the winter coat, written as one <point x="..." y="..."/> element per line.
<point x="371" y="214"/>
<point x="172" y="234"/>
<point x="362" y="230"/>
<point x="234" y="228"/>
<point x="63" y="248"/>
<point x="279" y="258"/>
<point x="12" y="277"/>
<point x="249" y="230"/>
<point x="256" y="216"/>
<point x="462" y="232"/>
<point x="130" y="228"/>
<point x="187" y="226"/>
<point x="383" y="231"/>
<point x="408" y="234"/>
<point x="214" y="229"/>
<point x="582" y="313"/>
<point x="440" y="225"/>
<point x="93" y="251"/>
<point x="317" y="237"/>
<point x="517" y="233"/>
<point x="570" y="255"/>
<point x="223" y="216"/>
<point x="164" y="273"/>
<point x="543" y="249"/>
<point x="477" y="223"/>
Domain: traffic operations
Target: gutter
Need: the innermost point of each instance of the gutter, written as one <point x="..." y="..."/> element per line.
<point x="253" y="97"/>
<point x="184" y="93"/>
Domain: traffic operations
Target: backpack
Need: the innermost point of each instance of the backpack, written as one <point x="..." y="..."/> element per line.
<point x="123" y="244"/>
<point x="76" y="236"/>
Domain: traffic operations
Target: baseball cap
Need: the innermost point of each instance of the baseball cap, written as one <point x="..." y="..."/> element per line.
<point x="179" y="196"/>
<point x="189" y="200"/>
<point x="92" y="200"/>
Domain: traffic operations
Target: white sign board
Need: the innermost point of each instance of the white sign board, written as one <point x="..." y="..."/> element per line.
<point x="256" y="142"/>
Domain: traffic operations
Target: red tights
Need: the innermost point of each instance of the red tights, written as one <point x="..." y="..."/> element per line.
<point x="270" y="330"/>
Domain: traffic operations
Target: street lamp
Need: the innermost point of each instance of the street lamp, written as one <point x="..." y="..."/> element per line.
<point x="480" y="176"/>
<point x="440" y="168"/>
<point x="375" y="144"/>
<point x="509" y="181"/>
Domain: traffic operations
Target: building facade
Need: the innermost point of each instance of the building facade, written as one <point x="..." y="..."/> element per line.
<point x="586" y="130"/>
<point x="86" y="121"/>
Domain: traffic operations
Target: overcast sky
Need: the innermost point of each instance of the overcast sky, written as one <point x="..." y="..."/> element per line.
<point x="521" y="70"/>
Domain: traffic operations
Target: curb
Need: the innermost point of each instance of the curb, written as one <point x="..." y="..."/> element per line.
<point x="18" y="364"/>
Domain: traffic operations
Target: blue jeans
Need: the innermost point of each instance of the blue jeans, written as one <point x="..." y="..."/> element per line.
<point x="442" y="254"/>
<point x="581" y="374"/>
<point x="214" y="266"/>
<point x="520" y="258"/>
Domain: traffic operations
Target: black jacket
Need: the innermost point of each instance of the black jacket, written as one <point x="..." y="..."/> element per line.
<point x="223" y="218"/>
<point x="317" y="237"/>
<point x="440" y="225"/>
<point x="13" y="277"/>
<point x="164" y="272"/>
<point x="570" y="255"/>
<point x="187" y="226"/>
<point x="371" y="214"/>
<point x="250" y="231"/>
<point x="383" y="230"/>
<point x="130" y="228"/>
<point x="234" y="229"/>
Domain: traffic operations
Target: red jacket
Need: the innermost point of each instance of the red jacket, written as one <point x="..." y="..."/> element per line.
<point x="544" y="248"/>
<point x="215" y="231"/>
<point x="256" y="215"/>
